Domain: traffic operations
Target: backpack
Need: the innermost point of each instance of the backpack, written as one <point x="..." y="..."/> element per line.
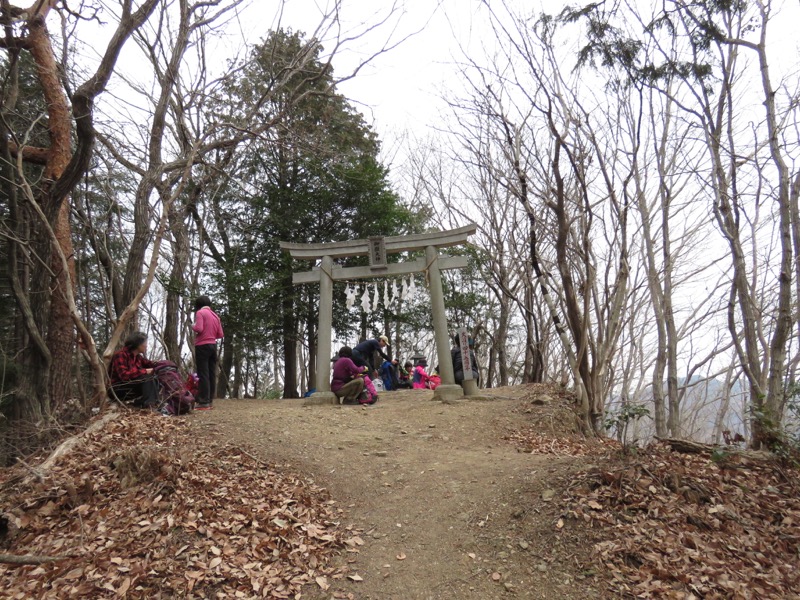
<point x="175" y="397"/>
<point x="372" y="394"/>
<point x="193" y="385"/>
<point x="388" y="376"/>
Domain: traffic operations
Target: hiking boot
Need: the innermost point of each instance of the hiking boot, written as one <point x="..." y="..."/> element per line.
<point x="203" y="406"/>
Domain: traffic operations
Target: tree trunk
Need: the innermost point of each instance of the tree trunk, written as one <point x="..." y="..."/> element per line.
<point x="60" y="329"/>
<point x="776" y="401"/>
<point x="501" y="342"/>
<point x="224" y="372"/>
<point x="724" y="405"/>
<point x="276" y="367"/>
<point x="58" y="323"/>
<point x="657" y="302"/>
<point x="491" y="379"/>
<point x="289" y="327"/>
<point x="236" y="389"/>
<point x="362" y="329"/>
<point x="671" y="339"/>
<point x="174" y="318"/>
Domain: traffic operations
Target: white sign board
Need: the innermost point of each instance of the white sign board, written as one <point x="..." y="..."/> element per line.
<point x="466" y="356"/>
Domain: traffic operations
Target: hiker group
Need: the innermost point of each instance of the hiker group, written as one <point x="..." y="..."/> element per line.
<point x="359" y="373"/>
<point x="356" y="371"/>
<point x="158" y="385"/>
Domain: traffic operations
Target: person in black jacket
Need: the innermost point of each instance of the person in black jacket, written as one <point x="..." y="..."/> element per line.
<point x="364" y="353"/>
<point x="458" y="366"/>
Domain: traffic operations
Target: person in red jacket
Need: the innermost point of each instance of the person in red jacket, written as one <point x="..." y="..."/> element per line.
<point x="208" y="329"/>
<point x="132" y="374"/>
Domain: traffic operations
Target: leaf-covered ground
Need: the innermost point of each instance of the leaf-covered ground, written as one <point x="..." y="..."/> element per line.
<point x="663" y="524"/>
<point x="684" y="526"/>
<point x="490" y="499"/>
<point x="145" y="509"/>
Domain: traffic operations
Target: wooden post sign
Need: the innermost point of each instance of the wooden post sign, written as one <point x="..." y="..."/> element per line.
<point x="469" y="384"/>
<point x="466" y="358"/>
<point x="378" y="248"/>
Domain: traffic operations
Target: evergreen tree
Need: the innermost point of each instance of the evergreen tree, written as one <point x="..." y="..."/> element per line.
<point x="313" y="177"/>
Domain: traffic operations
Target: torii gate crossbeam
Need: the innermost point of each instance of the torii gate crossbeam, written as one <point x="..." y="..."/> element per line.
<point x="377" y="248"/>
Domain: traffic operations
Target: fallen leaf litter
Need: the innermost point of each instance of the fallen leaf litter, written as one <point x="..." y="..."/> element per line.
<point x="144" y="510"/>
<point x="684" y="526"/>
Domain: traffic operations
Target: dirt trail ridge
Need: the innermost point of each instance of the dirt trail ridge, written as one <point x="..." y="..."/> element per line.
<point x="445" y="507"/>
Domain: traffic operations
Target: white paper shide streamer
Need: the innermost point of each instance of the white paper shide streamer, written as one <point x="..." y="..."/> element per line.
<point x="412" y="289"/>
<point x="365" y="300"/>
<point x="375" y="299"/>
<point x="371" y="299"/>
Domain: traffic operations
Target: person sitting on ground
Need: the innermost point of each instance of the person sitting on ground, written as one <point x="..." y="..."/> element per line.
<point x="389" y="376"/>
<point x="434" y="379"/>
<point x="364" y="353"/>
<point x="421" y="377"/>
<point x="404" y="375"/>
<point x="132" y="374"/>
<point x="458" y="365"/>
<point x="346" y="383"/>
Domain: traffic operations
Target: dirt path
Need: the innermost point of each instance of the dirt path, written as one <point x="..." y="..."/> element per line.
<point x="445" y="507"/>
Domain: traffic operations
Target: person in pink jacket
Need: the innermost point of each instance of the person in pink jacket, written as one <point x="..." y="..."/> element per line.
<point x="208" y="329"/>
<point x="421" y="378"/>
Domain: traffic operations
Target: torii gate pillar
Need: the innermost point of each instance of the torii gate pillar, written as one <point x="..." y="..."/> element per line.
<point x="448" y="390"/>
<point x="324" y="395"/>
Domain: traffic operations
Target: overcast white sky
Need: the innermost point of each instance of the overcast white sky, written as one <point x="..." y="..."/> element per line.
<point x="401" y="91"/>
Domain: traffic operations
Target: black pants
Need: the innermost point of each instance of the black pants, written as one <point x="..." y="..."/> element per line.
<point x="205" y="359"/>
<point x="144" y="393"/>
<point x="459" y="377"/>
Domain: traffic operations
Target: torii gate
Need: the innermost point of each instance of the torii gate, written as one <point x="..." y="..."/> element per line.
<point x="377" y="248"/>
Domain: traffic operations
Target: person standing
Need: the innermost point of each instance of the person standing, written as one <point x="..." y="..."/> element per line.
<point x="364" y="353"/>
<point x="208" y="329"/>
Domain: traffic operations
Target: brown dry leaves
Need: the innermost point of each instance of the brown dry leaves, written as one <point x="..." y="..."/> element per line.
<point x="683" y="526"/>
<point x="548" y="424"/>
<point x="148" y="511"/>
<point x="528" y="439"/>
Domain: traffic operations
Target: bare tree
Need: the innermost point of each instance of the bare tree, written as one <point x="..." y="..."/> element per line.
<point x="44" y="260"/>
<point x="727" y="31"/>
